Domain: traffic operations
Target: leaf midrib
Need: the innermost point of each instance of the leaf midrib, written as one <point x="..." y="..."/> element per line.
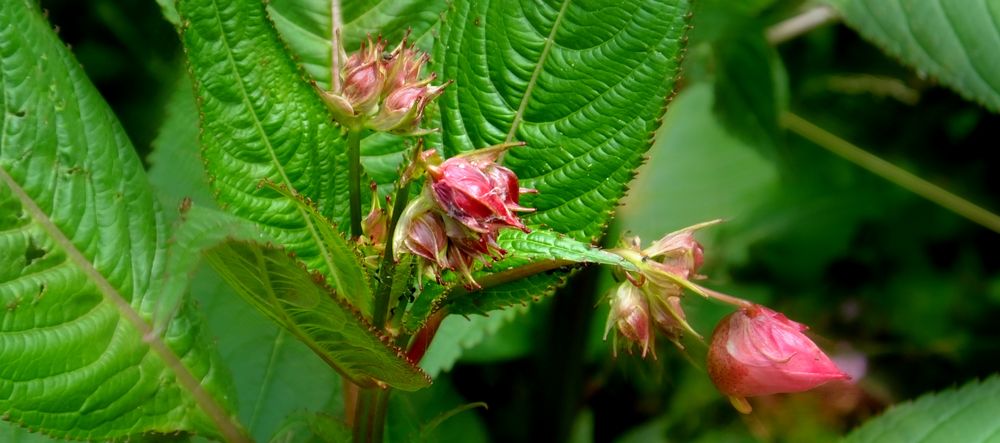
<point x="324" y="253"/>
<point x="519" y="115"/>
<point x="186" y="379"/>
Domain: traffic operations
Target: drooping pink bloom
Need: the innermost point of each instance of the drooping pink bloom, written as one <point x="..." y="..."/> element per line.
<point x="757" y="351"/>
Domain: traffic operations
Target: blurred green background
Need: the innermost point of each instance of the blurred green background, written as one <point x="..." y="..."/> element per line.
<point x="881" y="275"/>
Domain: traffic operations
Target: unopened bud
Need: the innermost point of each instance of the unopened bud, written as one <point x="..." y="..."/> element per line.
<point x="756" y="351"/>
<point x="630" y="315"/>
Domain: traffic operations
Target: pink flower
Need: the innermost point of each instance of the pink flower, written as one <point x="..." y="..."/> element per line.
<point x="468" y="199"/>
<point x="426" y="238"/>
<point x="757" y="351"/>
<point x="477" y="194"/>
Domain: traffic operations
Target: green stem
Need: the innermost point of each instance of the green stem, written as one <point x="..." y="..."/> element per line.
<point x="890" y="172"/>
<point x="354" y="178"/>
<point x="388" y="268"/>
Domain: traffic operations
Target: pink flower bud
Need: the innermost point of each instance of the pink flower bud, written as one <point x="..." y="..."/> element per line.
<point x="669" y="318"/>
<point x="679" y="253"/>
<point x="363" y="86"/>
<point x="403" y="108"/>
<point x="425" y="237"/>
<point x="630" y="315"/>
<point x="404" y="66"/>
<point x="479" y="201"/>
<point x="757" y="351"/>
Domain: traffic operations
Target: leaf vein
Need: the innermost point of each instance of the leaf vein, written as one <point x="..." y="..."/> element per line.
<point x="519" y="115"/>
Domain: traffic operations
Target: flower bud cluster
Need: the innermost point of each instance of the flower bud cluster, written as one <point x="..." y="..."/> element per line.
<point x="754" y="351"/>
<point x="650" y="300"/>
<point x="455" y="222"/>
<point x="382" y="90"/>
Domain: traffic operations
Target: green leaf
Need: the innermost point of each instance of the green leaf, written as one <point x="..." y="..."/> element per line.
<point x="583" y="83"/>
<point x="313" y="428"/>
<point x="175" y="166"/>
<point x="952" y="40"/>
<point x="540" y="250"/>
<point x="456" y="334"/>
<point x="275" y="374"/>
<point x="542" y="244"/>
<point x="260" y="120"/>
<point x="348" y="274"/>
<point x="281" y="288"/>
<point x="81" y="246"/>
<point x="968" y="414"/>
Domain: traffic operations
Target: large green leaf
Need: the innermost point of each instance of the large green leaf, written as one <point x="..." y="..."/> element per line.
<point x="584" y="83"/>
<point x="955" y="41"/>
<point x="260" y="120"/>
<point x="81" y="247"/>
<point x="968" y="415"/>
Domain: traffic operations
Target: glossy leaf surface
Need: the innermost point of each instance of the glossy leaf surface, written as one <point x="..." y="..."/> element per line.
<point x="81" y="246"/>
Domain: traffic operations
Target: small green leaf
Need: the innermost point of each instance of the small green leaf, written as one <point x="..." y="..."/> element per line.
<point x="175" y="166"/>
<point x="955" y="41"/>
<point x="540" y="250"/>
<point x="82" y="245"/>
<point x="275" y="374"/>
<point x="349" y="276"/>
<point x="542" y="244"/>
<point x="313" y="428"/>
<point x="283" y="290"/>
<point x="968" y="415"/>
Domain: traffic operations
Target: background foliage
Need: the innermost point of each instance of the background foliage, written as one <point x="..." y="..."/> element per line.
<point x="877" y="272"/>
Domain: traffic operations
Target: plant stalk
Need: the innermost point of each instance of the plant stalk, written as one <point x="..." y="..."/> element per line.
<point x="388" y="268"/>
<point x="354" y="178"/>
<point x="369" y="419"/>
<point x="891" y="172"/>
